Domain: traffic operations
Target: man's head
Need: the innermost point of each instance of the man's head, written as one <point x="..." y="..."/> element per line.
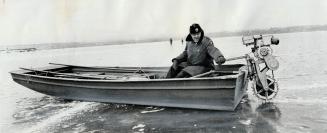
<point x="196" y="32"/>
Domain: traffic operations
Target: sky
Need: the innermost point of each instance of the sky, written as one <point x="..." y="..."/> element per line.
<point x="49" y="21"/>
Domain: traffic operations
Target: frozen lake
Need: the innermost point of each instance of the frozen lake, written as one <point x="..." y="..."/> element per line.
<point x="300" y="105"/>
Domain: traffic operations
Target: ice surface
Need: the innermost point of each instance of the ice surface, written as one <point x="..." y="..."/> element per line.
<point x="299" y="107"/>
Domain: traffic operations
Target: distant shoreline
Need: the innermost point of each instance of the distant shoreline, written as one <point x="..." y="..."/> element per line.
<point x="274" y="30"/>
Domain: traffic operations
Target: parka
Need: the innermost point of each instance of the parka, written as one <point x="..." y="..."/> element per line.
<point x="199" y="56"/>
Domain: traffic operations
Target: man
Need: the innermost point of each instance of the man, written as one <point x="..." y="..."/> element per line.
<point x="197" y="57"/>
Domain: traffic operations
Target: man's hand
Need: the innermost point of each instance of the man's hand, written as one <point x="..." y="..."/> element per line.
<point x="175" y="65"/>
<point x="221" y="60"/>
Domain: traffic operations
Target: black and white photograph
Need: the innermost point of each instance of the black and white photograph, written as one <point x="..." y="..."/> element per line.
<point x="163" y="66"/>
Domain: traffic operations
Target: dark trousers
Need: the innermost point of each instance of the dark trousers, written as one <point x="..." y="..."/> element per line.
<point x="179" y="73"/>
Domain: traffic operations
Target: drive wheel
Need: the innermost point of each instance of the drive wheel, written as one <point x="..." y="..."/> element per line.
<point x="263" y="94"/>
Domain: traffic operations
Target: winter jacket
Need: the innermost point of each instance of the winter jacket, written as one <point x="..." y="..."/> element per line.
<point x="199" y="56"/>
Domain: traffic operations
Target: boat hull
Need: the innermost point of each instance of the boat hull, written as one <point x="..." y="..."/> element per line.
<point x="215" y="93"/>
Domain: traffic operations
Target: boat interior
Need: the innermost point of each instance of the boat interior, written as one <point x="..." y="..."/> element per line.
<point x="122" y="73"/>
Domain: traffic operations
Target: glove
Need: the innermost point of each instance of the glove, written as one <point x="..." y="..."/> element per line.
<point x="221" y="60"/>
<point x="175" y="65"/>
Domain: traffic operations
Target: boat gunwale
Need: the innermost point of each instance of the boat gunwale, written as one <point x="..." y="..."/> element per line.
<point x="123" y="88"/>
<point x="232" y="76"/>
